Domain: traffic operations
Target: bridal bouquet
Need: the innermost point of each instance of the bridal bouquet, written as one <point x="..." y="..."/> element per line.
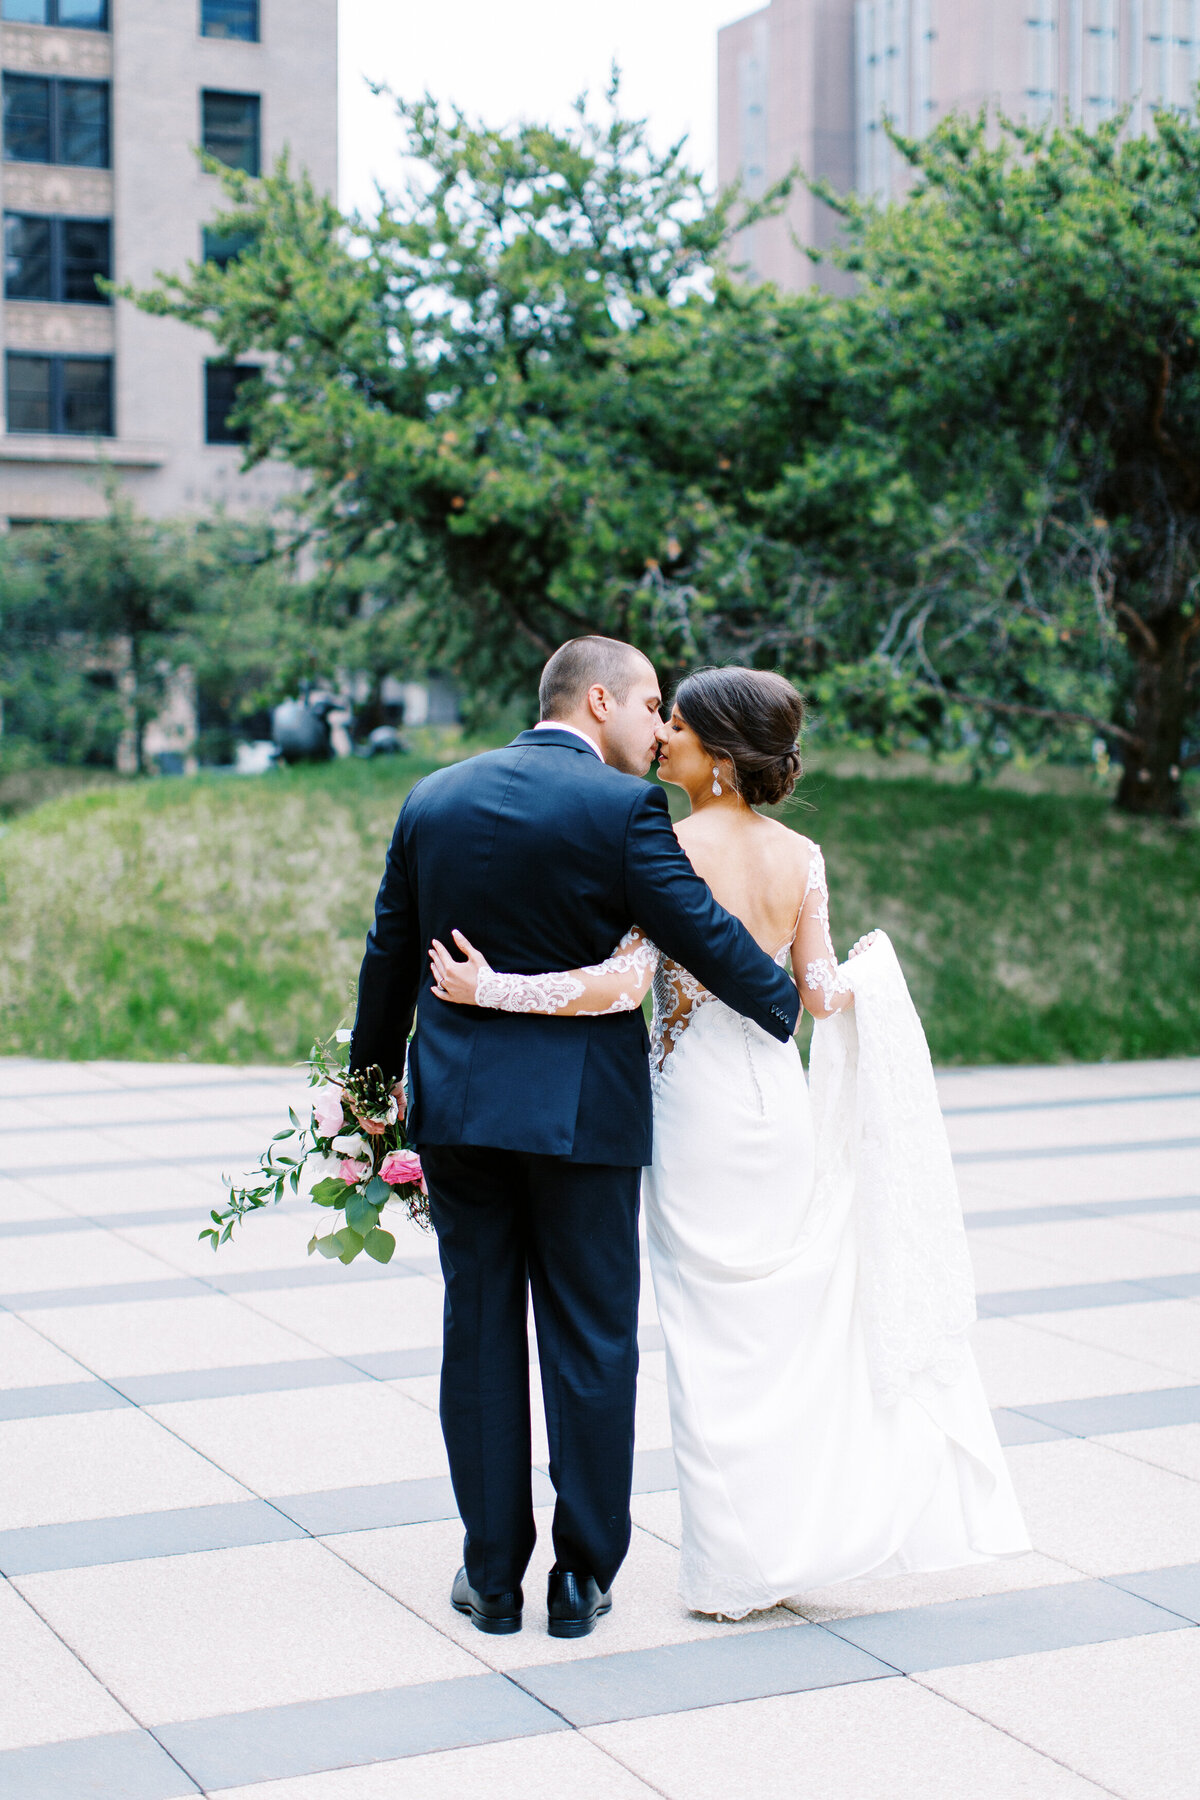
<point x="355" y="1142"/>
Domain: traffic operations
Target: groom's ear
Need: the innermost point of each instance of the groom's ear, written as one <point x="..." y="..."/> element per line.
<point x="598" y="701"/>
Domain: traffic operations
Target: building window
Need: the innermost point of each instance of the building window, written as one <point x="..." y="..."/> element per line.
<point x="222" y="383"/>
<point x="65" y="395"/>
<point x="56" y="259"/>
<point x="230" y="19"/>
<point x="51" y="121"/>
<point x="83" y="15"/>
<point x="224" y="247"/>
<point x="230" y="129"/>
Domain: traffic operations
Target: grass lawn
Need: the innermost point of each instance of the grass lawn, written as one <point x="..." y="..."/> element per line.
<point x="222" y="919"/>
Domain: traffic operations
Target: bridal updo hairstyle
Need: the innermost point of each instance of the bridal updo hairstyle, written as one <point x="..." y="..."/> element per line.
<point x="754" y="718"/>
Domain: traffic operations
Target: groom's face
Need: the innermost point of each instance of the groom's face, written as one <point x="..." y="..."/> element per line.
<point x="633" y="730"/>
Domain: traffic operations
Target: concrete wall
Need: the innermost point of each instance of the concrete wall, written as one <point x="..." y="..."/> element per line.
<point x="832" y="69"/>
<point x="159" y="201"/>
<point x="799" y="56"/>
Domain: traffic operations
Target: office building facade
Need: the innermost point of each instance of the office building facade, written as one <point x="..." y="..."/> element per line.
<point x="810" y="82"/>
<point x="104" y="104"/>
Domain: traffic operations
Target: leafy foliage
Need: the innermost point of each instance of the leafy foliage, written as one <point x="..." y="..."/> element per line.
<point x="97" y="617"/>
<point x="462" y="379"/>
<point x="963" y="500"/>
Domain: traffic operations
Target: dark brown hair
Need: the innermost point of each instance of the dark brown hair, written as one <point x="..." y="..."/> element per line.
<point x="754" y="718"/>
<point x="578" y="665"/>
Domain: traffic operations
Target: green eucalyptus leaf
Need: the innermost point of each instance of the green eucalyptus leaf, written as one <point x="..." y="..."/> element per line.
<point x="361" y="1216"/>
<point x="351" y="1243"/>
<point x="378" y="1191"/>
<point x="329" y="1246"/>
<point x="331" y="1191"/>
<point x="380" y="1244"/>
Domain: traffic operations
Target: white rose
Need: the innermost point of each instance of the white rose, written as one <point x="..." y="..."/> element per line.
<point x="353" y="1146"/>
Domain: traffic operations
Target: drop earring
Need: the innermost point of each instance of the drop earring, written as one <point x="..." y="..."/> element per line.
<point x="716" y="787"/>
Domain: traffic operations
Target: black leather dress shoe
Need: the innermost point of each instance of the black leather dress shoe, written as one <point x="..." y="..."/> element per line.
<point x="574" y="1603"/>
<point x="497" y="1613"/>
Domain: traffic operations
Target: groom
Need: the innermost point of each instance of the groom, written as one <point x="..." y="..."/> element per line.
<point x="533" y="1131"/>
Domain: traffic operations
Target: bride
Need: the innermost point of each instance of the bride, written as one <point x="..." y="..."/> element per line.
<point x="827" y="1416"/>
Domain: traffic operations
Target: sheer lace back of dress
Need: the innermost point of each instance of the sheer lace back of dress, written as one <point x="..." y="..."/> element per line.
<point x="678" y="995"/>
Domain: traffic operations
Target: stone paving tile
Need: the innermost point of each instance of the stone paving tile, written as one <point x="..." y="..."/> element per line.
<point x="312" y="1438"/>
<point x="1165" y="1332"/>
<point x="884" y="1740"/>
<point x="533" y="1768"/>
<point x="20" y="1201"/>
<point x="190" y="1637"/>
<point x="48" y="1694"/>
<point x="1174" y="1447"/>
<point x="1099" y="1177"/>
<point x="28" y="1360"/>
<point x="1111" y="1357"/>
<point x="96" y="1465"/>
<point x="157" y="1337"/>
<point x="418" y="1563"/>
<point x="362" y="1728"/>
<point x="278" y="1240"/>
<point x="1176" y="1589"/>
<point x="999" y="1625"/>
<point x="1101" y="1512"/>
<point x="851" y="1599"/>
<point x="1154" y="1407"/>
<point x="136" y="1186"/>
<point x="679" y="1677"/>
<point x="1146" y="1120"/>
<point x="999" y="1267"/>
<point x="400" y="1314"/>
<point x="85" y="1257"/>
<point x="1022" y="1365"/>
<point x="59" y="1397"/>
<point x="1090" y="1249"/>
<point x="129" y="1764"/>
<point x="135" y="1537"/>
<point x="1173" y="1221"/>
<point x="1123" y="1714"/>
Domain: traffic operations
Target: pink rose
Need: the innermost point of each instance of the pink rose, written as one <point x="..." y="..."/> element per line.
<point x="400" y="1167"/>
<point x="353" y="1172"/>
<point x="327" y="1111"/>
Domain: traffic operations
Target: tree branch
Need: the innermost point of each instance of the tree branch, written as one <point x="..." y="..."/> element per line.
<point x="1102" y="726"/>
<point x="1136" y="620"/>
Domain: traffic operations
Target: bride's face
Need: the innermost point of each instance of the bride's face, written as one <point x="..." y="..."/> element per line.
<point x="683" y="759"/>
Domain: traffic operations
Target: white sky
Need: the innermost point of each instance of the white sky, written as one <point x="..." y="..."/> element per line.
<point x="502" y="60"/>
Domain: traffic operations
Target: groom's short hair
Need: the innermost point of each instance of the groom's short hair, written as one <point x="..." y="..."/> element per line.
<point x="582" y="663"/>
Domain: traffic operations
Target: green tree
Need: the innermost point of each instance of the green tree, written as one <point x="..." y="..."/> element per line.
<point x="97" y="617"/>
<point x="461" y="380"/>
<point x="1027" y="349"/>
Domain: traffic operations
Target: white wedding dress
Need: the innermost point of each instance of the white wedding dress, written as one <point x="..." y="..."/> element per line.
<point x="812" y="1280"/>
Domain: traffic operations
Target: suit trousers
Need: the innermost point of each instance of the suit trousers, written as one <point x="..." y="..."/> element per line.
<point x="511" y="1224"/>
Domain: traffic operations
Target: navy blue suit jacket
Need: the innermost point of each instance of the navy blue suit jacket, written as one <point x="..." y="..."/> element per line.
<point x="544" y="856"/>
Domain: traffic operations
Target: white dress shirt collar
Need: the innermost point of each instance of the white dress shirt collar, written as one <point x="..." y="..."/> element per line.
<point x="557" y="725"/>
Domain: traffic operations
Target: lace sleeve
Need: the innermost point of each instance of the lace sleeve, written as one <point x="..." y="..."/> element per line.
<point x="824" y="987"/>
<point x="616" y="985"/>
